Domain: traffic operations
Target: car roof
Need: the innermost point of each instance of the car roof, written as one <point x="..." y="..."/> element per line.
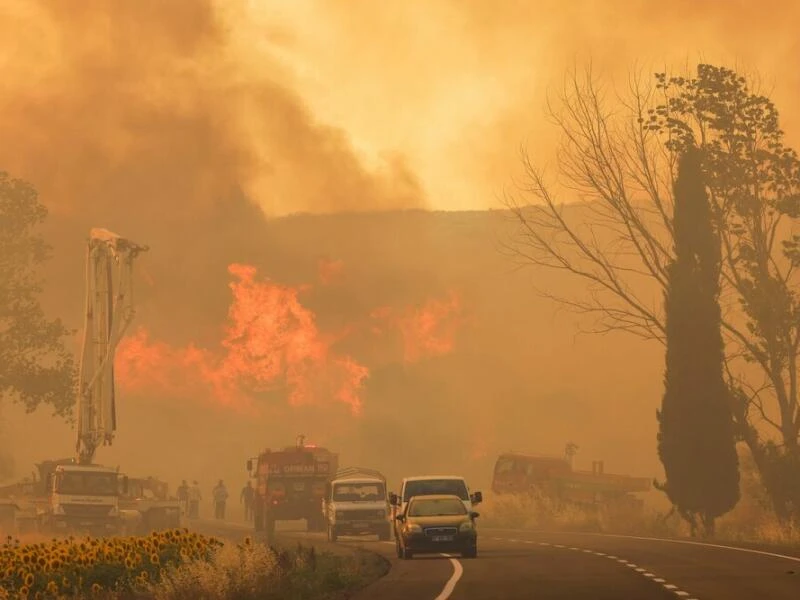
<point x="358" y="480"/>
<point x="433" y="477"/>
<point x="435" y="497"/>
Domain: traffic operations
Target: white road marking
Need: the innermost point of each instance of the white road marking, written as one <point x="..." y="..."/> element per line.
<point x="691" y="543"/>
<point x="458" y="571"/>
<point x="669" y="586"/>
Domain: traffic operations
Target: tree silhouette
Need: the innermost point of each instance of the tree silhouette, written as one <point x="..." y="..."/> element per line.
<point x="35" y="367"/>
<point x="620" y="160"/>
<point x="696" y="441"/>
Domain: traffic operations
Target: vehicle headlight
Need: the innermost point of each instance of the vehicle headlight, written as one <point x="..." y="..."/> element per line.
<point x="413" y="528"/>
<point x="466" y="526"/>
<point x="381" y="514"/>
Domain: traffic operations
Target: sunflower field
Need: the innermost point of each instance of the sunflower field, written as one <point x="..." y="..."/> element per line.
<point x="97" y="567"/>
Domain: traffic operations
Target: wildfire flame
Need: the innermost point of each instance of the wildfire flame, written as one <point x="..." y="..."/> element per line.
<point x="330" y="270"/>
<point x="270" y="341"/>
<point x="428" y="330"/>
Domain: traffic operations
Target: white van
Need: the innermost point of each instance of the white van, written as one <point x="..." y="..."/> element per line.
<point x="427" y="485"/>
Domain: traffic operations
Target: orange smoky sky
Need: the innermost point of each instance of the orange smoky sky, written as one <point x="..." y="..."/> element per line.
<point x="316" y="105"/>
<point x="457" y="85"/>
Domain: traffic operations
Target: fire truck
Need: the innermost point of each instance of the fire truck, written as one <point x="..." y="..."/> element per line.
<point x="290" y="485"/>
<point x="554" y="478"/>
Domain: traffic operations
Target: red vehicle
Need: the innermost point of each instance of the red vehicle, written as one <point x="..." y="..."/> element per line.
<point x="555" y="478"/>
<point x="291" y="484"/>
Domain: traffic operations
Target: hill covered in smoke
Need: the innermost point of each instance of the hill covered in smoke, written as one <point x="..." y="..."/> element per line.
<point x="408" y="340"/>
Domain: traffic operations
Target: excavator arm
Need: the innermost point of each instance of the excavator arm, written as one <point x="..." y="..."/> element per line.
<point x="109" y="312"/>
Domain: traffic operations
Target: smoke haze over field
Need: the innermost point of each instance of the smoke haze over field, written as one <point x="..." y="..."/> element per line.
<point x="190" y="125"/>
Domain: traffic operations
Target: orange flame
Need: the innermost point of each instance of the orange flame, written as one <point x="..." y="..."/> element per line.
<point x="329" y="270"/>
<point x="271" y="341"/>
<point x="428" y="330"/>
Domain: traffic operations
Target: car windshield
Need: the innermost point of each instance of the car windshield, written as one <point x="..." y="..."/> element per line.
<point x="94" y="484"/>
<point x="435" y="487"/>
<point x="436" y="507"/>
<point x="358" y="492"/>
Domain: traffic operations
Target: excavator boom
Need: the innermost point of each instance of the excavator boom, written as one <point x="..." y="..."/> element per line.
<point x="109" y="311"/>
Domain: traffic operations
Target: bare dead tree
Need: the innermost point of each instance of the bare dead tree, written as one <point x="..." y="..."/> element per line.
<point x="617" y="160"/>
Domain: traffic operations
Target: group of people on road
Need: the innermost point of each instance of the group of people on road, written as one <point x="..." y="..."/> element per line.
<point x="190" y="497"/>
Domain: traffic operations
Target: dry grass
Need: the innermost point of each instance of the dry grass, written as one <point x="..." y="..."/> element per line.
<point x="254" y="571"/>
<point x="537" y="512"/>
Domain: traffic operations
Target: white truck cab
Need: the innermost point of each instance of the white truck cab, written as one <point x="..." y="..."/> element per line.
<point x="426" y="485"/>
<point x="84" y="497"/>
<point x="355" y="503"/>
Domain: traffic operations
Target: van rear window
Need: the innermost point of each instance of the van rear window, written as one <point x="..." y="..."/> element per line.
<point x="429" y="487"/>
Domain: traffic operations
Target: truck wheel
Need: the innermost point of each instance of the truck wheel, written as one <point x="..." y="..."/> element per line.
<point x="332" y="536"/>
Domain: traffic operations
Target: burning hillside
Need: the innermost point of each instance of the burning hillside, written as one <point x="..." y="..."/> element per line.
<point x="272" y="342"/>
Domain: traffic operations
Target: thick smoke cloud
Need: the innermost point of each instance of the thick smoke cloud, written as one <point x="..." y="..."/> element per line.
<point x="457" y="85"/>
<point x="147" y="111"/>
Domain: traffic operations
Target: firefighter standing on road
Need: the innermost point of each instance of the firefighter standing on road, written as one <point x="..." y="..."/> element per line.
<point x="194" y="497"/>
<point x="220" y="496"/>
<point x="183" y="497"/>
<point x="246" y="497"/>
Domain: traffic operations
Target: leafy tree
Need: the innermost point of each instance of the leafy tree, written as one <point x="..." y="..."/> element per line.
<point x="35" y="366"/>
<point x="696" y="440"/>
<point x="620" y="159"/>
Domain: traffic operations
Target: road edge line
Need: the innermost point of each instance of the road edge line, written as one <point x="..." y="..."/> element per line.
<point x="667" y="540"/>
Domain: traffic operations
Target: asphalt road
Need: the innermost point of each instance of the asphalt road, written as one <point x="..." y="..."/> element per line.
<point x="518" y="564"/>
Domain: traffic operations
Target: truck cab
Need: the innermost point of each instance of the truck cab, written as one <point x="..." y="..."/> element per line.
<point x="84" y="497"/>
<point x="356" y="504"/>
<point x="290" y="485"/>
<point x="431" y="485"/>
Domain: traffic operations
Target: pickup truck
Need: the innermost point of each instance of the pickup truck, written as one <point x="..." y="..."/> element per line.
<point x="355" y="503"/>
<point x="431" y="485"/>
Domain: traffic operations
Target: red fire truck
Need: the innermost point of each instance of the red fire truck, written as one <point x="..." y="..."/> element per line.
<point x="290" y="485"/>
<point x="555" y="478"/>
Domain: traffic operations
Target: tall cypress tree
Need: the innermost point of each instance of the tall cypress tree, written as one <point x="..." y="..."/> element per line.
<point x="696" y="442"/>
